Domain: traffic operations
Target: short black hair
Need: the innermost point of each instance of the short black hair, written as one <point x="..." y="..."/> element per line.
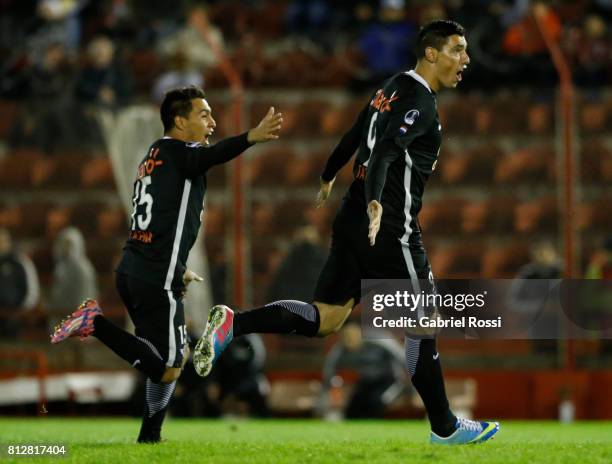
<point x="177" y="102"/>
<point x="435" y="34"/>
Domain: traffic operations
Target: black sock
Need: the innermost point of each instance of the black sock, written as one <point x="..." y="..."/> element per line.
<point x="139" y="352"/>
<point x="157" y="398"/>
<point x="282" y="317"/>
<point x="423" y="362"/>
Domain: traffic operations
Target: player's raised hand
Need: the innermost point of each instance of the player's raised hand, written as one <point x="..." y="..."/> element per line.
<point x="375" y="211"/>
<point x="267" y="129"/>
<point x="324" y="191"/>
<point x="190" y="276"/>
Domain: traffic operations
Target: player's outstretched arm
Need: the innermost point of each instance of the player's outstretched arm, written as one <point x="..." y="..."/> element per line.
<point x="324" y="191"/>
<point x="200" y="158"/>
<point x="267" y="129"/>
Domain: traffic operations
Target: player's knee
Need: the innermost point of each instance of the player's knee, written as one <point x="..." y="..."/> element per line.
<point x="171" y="374"/>
<point x="332" y="317"/>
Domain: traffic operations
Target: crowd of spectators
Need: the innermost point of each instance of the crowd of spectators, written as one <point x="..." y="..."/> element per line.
<point x="113" y="52"/>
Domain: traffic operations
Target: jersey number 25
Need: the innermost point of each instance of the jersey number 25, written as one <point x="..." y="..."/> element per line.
<point x="141" y="197"/>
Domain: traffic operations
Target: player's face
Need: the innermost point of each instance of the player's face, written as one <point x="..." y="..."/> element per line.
<point x="200" y="123"/>
<point x="452" y="61"/>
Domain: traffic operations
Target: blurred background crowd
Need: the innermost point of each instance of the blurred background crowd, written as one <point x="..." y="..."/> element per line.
<point x="75" y="74"/>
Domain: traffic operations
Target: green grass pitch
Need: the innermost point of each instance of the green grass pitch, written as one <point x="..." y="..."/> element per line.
<point x="100" y="440"/>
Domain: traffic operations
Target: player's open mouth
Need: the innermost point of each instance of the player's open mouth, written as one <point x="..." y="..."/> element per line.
<point x="459" y="75"/>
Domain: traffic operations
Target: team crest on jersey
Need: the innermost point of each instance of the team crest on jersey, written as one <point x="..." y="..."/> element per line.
<point x="411" y="116"/>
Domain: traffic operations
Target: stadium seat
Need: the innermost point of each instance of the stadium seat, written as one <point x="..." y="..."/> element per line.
<point x="593" y="117"/>
<point x="98" y="172"/>
<point x="112" y="222"/>
<point x="540" y="118"/>
<point x="475" y="166"/>
<point x="594" y="215"/>
<point x="84" y="216"/>
<point x="10" y="216"/>
<point x="595" y="161"/>
<point x="442" y="216"/>
<point x="67" y="170"/>
<point x="17" y="169"/>
<point x="458" y="116"/>
<point x="458" y="261"/>
<point x="504" y="261"/>
<point x="491" y="215"/>
<point x="267" y="168"/>
<point x="540" y="215"/>
<point x="531" y="164"/>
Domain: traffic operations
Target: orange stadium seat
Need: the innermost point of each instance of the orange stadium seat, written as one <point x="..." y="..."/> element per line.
<point x="475" y="166"/>
<point x="504" y="261"/>
<point x="112" y="222"/>
<point x="10" y="216"/>
<point x="593" y="117"/>
<point x="442" y="216"/>
<point x="492" y="215"/>
<point x="98" y="172"/>
<point x="311" y="112"/>
<point x="298" y="172"/>
<point x="531" y="164"/>
<point x="84" y="216"/>
<point x="595" y="215"/>
<point x="459" y="261"/>
<point x="67" y="170"/>
<point x="458" y="116"/>
<point x="539" y="215"/>
<point x="268" y="168"/>
<point x="540" y="118"/>
<point x="17" y="170"/>
<point x="595" y="161"/>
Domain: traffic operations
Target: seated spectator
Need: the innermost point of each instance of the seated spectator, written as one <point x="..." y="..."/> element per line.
<point x="178" y="74"/>
<point x="198" y="53"/>
<point x="385" y="44"/>
<point x="104" y="80"/>
<point x="46" y="120"/>
<point x="74" y="277"/>
<point x="19" y="288"/>
<point x="380" y="368"/>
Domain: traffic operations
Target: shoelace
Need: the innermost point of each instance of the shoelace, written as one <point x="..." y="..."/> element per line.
<point x="469" y="425"/>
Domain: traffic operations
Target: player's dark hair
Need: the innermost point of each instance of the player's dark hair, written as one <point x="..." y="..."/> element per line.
<point x="177" y="102"/>
<point x="435" y="34"/>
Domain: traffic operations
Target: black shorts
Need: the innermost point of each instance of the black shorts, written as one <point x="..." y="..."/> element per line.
<point x="157" y="314"/>
<point x="351" y="258"/>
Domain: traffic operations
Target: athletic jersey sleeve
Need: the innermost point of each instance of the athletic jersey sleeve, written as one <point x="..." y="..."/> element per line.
<point x="200" y="158"/>
<point x="345" y="148"/>
<point x="409" y="119"/>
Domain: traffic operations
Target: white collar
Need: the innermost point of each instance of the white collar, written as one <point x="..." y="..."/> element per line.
<point x="412" y="73"/>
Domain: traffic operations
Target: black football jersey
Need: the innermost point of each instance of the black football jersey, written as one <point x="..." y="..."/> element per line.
<point x="397" y="137"/>
<point x="167" y="202"/>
